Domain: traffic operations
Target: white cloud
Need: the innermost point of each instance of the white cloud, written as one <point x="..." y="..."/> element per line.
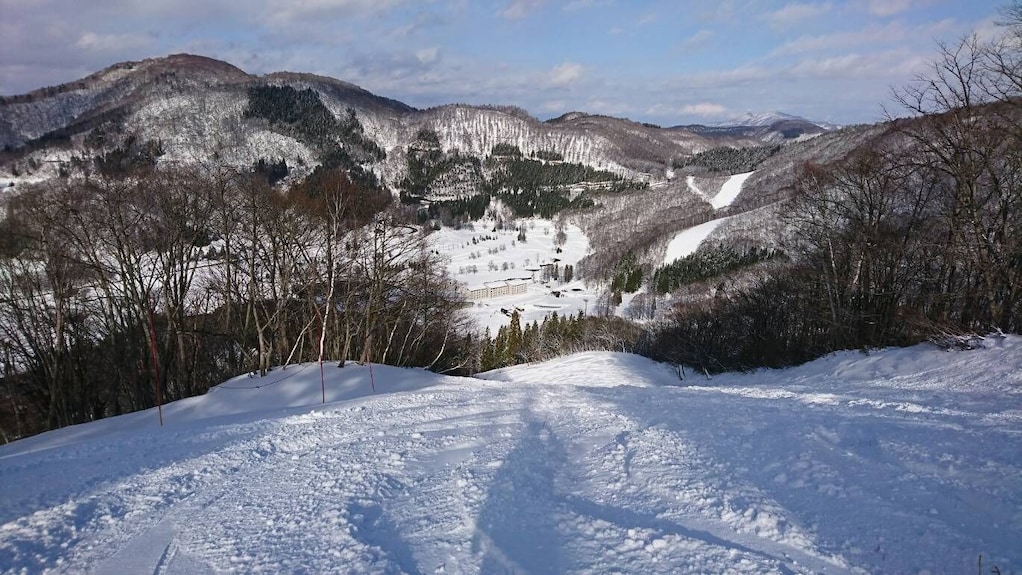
<point x="892" y="64"/>
<point x="110" y="42"/>
<point x="697" y="40"/>
<point x="706" y="109"/>
<point x="565" y="74"/>
<point x="427" y="55"/>
<point x="575" y="5"/>
<point x="519" y="9"/>
<point x="885" y="8"/>
<point x="288" y="10"/>
<point x="554" y="106"/>
<point x="607" y="107"/>
<point x="796" y="13"/>
<point x="866" y="38"/>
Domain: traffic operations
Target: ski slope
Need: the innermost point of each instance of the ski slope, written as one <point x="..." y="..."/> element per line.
<point x="900" y="461"/>
<point x="729" y="191"/>
<point x="687" y="241"/>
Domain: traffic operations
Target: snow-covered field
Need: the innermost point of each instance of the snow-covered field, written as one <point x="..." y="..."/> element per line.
<point x="485" y="255"/>
<point x="900" y="461"/>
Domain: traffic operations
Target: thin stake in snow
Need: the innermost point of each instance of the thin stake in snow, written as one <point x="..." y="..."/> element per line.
<point x="156" y="363"/>
<point x="372" y="380"/>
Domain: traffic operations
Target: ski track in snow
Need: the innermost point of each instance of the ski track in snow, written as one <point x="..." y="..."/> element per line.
<point x="901" y="461"/>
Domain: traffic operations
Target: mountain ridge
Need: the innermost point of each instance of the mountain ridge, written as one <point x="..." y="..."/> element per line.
<point x="69" y="107"/>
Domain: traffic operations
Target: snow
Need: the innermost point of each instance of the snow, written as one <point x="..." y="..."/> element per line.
<point x="730" y="190"/>
<point x="688" y="241"/>
<point x="896" y="461"/>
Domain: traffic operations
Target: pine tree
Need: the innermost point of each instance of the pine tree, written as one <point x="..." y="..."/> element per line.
<point x="500" y="357"/>
<point x="552" y="326"/>
<point x="488" y="359"/>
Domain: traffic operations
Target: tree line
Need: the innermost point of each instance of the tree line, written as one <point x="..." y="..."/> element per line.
<point x="187" y="277"/>
<point x="555" y="336"/>
<point x="728" y="160"/>
<point x="706" y="264"/>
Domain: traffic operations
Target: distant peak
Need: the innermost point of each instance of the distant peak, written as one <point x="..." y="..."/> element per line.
<point x="762" y="119"/>
<point x="769" y="119"/>
<point x="569" y="116"/>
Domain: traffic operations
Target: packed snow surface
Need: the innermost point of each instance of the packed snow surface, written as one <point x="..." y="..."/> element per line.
<point x="897" y="461"/>
<point x="729" y="191"/>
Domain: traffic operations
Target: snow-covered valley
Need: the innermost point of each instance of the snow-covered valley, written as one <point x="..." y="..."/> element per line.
<point x="483" y="256"/>
<point x="897" y="461"/>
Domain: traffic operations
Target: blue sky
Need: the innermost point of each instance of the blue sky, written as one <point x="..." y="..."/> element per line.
<point x="669" y="62"/>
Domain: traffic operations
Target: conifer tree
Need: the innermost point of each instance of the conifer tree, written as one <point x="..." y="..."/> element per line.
<point x="500" y="355"/>
<point x="488" y="359"/>
<point x="514" y="338"/>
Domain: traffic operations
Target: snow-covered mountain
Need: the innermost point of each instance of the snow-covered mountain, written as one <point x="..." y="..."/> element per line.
<point x="896" y="461"/>
<point x="770" y="118"/>
<point x="195" y="106"/>
<point x="769" y="127"/>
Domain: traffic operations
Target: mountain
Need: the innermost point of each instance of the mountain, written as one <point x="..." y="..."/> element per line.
<point x="770" y="127"/>
<point x="596" y="462"/>
<point x="196" y="106"/>
<point x="771" y="118"/>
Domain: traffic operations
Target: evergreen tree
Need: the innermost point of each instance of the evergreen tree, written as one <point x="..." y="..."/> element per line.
<point x="488" y="359"/>
<point x="500" y="355"/>
<point x="514" y="338"/>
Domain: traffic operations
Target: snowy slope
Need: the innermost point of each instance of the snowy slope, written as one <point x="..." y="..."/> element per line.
<point x="729" y="191"/>
<point x="902" y="461"/>
<point x="687" y="241"/>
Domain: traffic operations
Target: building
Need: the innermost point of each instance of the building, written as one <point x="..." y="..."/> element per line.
<point x="497" y="289"/>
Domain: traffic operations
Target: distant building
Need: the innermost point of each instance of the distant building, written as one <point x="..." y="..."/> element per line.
<point x="497" y="289"/>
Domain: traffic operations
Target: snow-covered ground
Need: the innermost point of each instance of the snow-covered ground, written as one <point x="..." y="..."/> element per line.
<point x="485" y="255"/>
<point x="900" y="461"/>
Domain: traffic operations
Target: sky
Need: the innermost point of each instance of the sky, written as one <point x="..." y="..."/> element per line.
<point x="666" y="62"/>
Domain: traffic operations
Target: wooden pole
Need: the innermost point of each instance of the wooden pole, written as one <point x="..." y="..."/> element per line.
<point x="156" y="363"/>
